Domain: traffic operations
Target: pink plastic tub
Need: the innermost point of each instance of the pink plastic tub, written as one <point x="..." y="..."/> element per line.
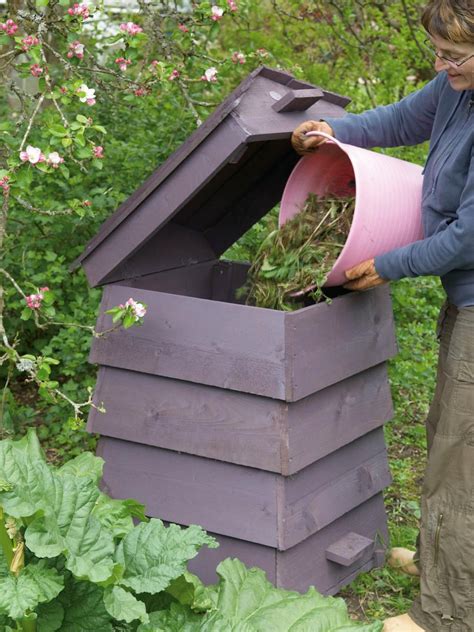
<point x="388" y="198"/>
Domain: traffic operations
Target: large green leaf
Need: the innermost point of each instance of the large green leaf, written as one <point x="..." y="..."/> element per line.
<point x="117" y="515"/>
<point x="247" y="596"/>
<point x="29" y="481"/>
<point x="50" y="616"/>
<point x="153" y="555"/>
<point x="69" y="527"/>
<point x="189" y="590"/>
<point x="86" y="464"/>
<point x="35" y="584"/>
<point x="177" y="618"/>
<point x="84" y="609"/>
<point x="124" y="606"/>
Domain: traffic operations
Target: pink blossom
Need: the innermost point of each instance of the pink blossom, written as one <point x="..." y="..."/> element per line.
<point x="29" y="41"/>
<point x="87" y="203"/>
<point x="4" y="184"/>
<point x="262" y="52"/>
<point x="154" y="63"/>
<point x="123" y="63"/>
<point x="32" y="155"/>
<point x="89" y="94"/>
<point x="216" y="13"/>
<point x="131" y="28"/>
<point x="238" y="58"/>
<point x="138" y="310"/>
<point x="54" y="159"/>
<point x="183" y="28"/>
<point x="232" y="5"/>
<point x="34" y="300"/>
<point x="10" y="27"/>
<point x="36" y="70"/>
<point x="63" y="90"/>
<point x="174" y="75"/>
<point x="98" y="151"/>
<point x="81" y="10"/>
<point x="141" y="91"/>
<point x="210" y="75"/>
<point x="76" y="49"/>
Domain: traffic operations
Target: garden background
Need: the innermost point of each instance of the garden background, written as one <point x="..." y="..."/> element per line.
<point x="152" y="88"/>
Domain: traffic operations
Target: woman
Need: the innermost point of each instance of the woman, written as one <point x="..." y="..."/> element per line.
<point x="442" y="112"/>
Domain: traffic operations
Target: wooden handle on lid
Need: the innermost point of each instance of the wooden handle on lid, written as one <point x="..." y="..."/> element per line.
<point x="298" y="100"/>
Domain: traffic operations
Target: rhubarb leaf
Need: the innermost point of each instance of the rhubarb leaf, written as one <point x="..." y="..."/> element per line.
<point x="154" y="555"/>
<point x="124" y="606"/>
<point x="70" y="528"/>
<point x="86" y="464"/>
<point x="35" y="584"/>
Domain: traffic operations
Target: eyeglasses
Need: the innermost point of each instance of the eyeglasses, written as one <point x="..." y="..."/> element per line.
<point x="452" y="62"/>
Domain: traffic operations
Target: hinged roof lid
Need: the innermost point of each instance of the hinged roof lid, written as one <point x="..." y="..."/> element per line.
<point x="227" y="175"/>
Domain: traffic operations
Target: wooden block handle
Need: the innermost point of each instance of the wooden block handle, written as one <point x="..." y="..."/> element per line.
<point x="298" y="100"/>
<point x="349" y="549"/>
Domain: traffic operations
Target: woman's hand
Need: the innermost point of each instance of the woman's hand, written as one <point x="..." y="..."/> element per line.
<point x="363" y="276"/>
<point x="303" y="144"/>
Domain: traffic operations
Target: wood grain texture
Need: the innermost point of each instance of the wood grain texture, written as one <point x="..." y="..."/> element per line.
<point x="305" y="564"/>
<point x="192" y="418"/>
<point x="193" y="280"/>
<point x="285" y="356"/>
<point x="162" y="204"/>
<point x="208" y="342"/>
<point x="194" y="141"/>
<point x="172" y="247"/>
<point x="349" y="549"/>
<point x="242" y="502"/>
<point x="237" y="427"/>
<point x="329" y="342"/>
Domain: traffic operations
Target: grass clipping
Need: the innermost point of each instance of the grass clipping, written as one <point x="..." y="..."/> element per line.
<point x="299" y="256"/>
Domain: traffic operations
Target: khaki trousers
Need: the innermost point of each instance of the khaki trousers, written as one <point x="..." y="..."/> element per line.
<point x="446" y="539"/>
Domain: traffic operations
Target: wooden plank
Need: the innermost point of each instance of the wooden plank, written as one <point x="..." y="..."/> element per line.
<point x="335" y="416"/>
<point x="298" y="100"/>
<point x="224" y="498"/>
<point x="251" y="554"/>
<point x="349" y="549"/>
<point x="192" y="418"/>
<point x="193" y="280"/>
<point x="162" y="204"/>
<point x="237" y="427"/>
<point x="227" y="278"/>
<point x="244" y="502"/>
<point x="208" y="342"/>
<point x="331" y="487"/>
<point x="329" y="342"/>
<point x="306" y="564"/>
<point x="173" y="246"/>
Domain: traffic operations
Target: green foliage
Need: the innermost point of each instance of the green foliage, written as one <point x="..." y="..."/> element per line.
<point x="81" y="573"/>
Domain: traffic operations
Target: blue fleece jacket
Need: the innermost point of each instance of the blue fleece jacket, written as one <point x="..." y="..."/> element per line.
<point x="446" y="118"/>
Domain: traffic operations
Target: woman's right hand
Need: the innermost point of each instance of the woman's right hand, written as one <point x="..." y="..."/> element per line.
<point x="303" y="144"/>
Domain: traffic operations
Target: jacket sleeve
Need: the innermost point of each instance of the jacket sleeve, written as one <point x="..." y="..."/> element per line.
<point x="447" y="250"/>
<point x="408" y="122"/>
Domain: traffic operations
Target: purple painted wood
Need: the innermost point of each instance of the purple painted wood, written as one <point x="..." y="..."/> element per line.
<point x="305" y="564"/>
<point x="195" y="168"/>
<point x="203" y="131"/>
<point x="298" y="100"/>
<point x="275" y="354"/>
<point x="349" y="549"/>
<point x="236" y="427"/>
<point x="197" y="281"/>
<point x="243" y="502"/>
<point x="329" y="342"/>
<point x="172" y="247"/>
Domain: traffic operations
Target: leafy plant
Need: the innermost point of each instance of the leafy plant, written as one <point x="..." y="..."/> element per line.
<point x="71" y="559"/>
<point x="295" y="259"/>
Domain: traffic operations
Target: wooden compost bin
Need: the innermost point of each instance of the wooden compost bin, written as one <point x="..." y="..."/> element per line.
<point x="264" y="427"/>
